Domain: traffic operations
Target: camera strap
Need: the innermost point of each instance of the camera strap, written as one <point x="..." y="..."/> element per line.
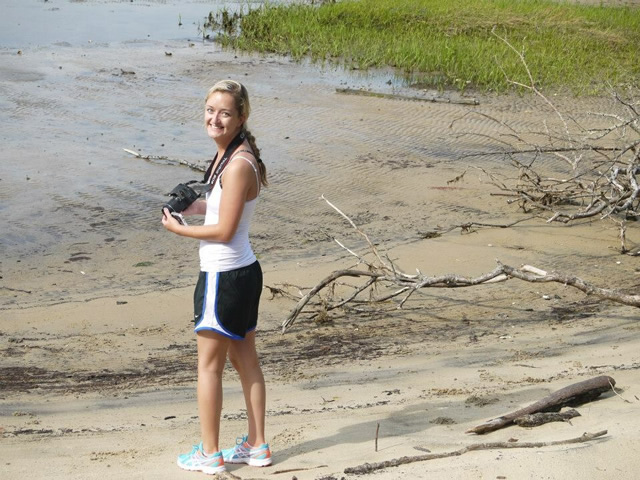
<point x="235" y="143"/>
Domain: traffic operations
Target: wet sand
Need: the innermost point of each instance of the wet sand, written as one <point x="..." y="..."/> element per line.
<point x="98" y="373"/>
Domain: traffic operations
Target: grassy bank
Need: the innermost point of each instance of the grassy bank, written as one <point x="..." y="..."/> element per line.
<point x="443" y="43"/>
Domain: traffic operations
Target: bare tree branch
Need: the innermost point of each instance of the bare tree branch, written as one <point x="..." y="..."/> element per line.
<point x="387" y="274"/>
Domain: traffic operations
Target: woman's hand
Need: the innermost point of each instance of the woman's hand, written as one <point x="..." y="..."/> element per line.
<point x="170" y="222"/>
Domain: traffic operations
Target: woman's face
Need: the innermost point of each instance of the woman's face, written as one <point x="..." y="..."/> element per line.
<point x="221" y="118"/>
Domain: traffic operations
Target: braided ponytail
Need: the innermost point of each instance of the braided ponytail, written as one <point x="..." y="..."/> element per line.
<point x="256" y="152"/>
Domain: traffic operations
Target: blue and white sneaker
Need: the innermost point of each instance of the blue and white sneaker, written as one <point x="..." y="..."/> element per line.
<point x="259" y="456"/>
<point x="198" y="461"/>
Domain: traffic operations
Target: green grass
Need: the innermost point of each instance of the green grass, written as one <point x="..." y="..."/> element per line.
<point x="447" y="43"/>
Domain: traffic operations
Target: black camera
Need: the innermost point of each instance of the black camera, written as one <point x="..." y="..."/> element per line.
<point x="181" y="197"/>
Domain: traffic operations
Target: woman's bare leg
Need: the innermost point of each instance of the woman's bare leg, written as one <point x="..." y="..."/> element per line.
<point x="212" y="355"/>
<point x="244" y="358"/>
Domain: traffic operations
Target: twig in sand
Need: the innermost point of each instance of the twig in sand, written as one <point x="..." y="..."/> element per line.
<point x="371" y="467"/>
<point x="15" y="289"/>
<point x="277" y="291"/>
<point x="289" y="470"/>
<point x="614" y="391"/>
<point x="467" y="227"/>
<point x="377" y="431"/>
<point x="456" y="179"/>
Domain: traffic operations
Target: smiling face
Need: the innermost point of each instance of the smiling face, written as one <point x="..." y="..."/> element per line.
<point x="222" y="118"/>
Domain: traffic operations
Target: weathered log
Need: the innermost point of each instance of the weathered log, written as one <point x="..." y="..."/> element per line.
<point x="570" y="396"/>
<point x="540" y="418"/>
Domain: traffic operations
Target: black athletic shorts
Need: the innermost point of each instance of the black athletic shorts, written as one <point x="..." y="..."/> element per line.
<point x="227" y="302"/>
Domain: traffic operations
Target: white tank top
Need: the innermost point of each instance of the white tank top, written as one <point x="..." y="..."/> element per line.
<point x="237" y="253"/>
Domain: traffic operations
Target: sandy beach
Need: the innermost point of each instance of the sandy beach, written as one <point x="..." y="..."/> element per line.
<point x="98" y="355"/>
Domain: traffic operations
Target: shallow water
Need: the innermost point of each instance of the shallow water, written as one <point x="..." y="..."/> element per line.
<point x="80" y="81"/>
<point x="43" y="23"/>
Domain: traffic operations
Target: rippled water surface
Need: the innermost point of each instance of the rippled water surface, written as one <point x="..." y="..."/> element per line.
<point x="76" y="22"/>
<point x="82" y="80"/>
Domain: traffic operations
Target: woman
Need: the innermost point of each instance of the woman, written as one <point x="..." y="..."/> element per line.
<point x="230" y="282"/>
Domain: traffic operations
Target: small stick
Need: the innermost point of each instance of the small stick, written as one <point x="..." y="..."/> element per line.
<point x="393" y="96"/>
<point x="377" y="431"/>
<point x="614" y="391"/>
<point x="289" y="470"/>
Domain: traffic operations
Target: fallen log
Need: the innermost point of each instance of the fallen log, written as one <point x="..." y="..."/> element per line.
<point x="570" y="396"/>
<point x="540" y="418"/>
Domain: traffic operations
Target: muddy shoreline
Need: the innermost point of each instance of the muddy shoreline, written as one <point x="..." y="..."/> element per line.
<point x="333" y="344"/>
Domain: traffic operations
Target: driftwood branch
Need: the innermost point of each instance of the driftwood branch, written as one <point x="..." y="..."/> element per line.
<point x="301" y="469"/>
<point x="314" y="291"/>
<point x="572" y="395"/>
<point x="468" y="227"/>
<point x="388" y="274"/>
<point x="372" y="467"/>
<point x="434" y="99"/>
<point x="382" y="272"/>
<point x="166" y="160"/>
<point x="372" y="247"/>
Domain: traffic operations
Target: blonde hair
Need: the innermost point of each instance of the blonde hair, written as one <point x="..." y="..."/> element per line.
<point x="241" y="100"/>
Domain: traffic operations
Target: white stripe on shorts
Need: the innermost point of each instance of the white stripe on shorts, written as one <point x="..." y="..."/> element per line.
<point x="209" y="318"/>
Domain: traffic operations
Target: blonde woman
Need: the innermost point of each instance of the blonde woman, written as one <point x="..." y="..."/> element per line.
<point x="228" y="291"/>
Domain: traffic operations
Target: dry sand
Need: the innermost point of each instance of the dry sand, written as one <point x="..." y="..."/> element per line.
<point x="98" y="369"/>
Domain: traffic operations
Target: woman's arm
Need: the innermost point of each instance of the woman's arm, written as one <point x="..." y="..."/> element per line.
<point x="199" y="207"/>
<point x="238" y="180"/>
